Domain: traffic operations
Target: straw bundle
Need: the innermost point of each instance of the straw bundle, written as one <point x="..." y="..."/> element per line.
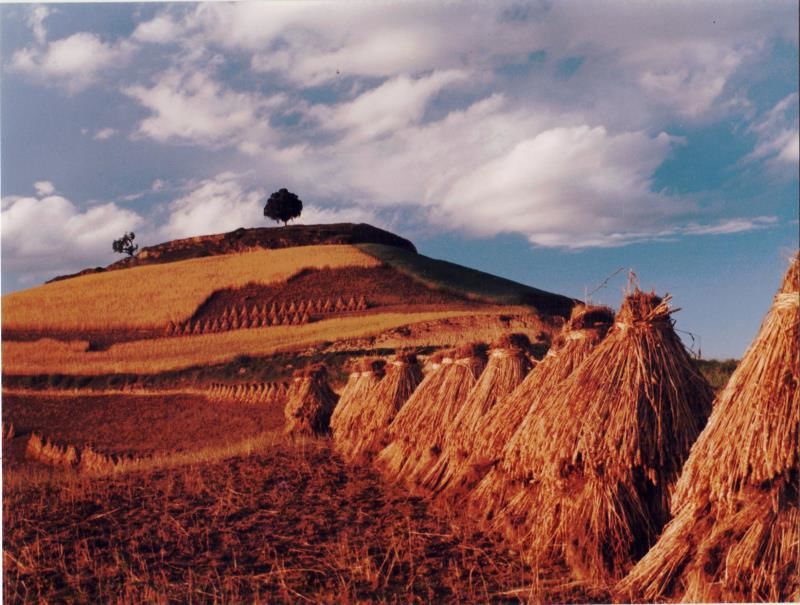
<point x="362" y="380"/>
<point x="735" y="535"/>
<point x="418" y="430"/>
<point x="378" y="409"/>
<point x="508" y="365"/>
<point x="586" y="327"/>
<point x="310" y="402"/>
<point x="603" y="455"/>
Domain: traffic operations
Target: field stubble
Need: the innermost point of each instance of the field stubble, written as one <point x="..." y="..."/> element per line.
<point x="288" y="523"/>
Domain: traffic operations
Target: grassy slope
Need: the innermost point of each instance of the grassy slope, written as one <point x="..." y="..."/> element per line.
<point x="468" y="282"/>
<point x="151" y="295"/>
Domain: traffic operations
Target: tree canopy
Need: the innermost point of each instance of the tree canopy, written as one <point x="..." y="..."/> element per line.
<point x="283" y="206"/>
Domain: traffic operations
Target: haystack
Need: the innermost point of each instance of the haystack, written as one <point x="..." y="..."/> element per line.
<point x="310" y="402"/>
<point x="508" y="365"/>
<point x="418" y="430"/>
<point x="378" y="409"/>
<point x="603" y="455"/>
<point x="586" y="327"/>
<point x="366" y="374"/>
<point x="735" y="535"/>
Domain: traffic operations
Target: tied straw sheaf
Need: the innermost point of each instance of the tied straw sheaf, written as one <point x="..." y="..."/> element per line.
<point x="346" y="420"/>
<point x="377" y="410"/>
<point x="418" y="430"/>
<point x="597" y="460"/>
<point x="479" y="476"/>
<point x="310" y="402"/>
<point x="735" y="532"/>
<point x="508" y="365"/>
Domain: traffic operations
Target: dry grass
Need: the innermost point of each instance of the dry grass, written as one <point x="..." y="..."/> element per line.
<point x="49" y="356"/>
<point x="150" y="296"/>
<point x="735" y="535"/>
<point x="346" y="421"/>
<point x="478" y="476"/>
<point x="418" y="430"/>
<point x="284" y="524"/>
<point x="375" y="412"/>
<point x="508" y="365"/>
<point x="606" y="450"/>
<point x="309" y="402"/>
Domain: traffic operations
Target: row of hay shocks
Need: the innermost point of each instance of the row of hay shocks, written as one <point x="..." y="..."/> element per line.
<point x="607" y="442"/>
<point x="85" y="460"/>
<point x="282" y="314"/>
<point x="735" y="529"/>
<point x="252" y="393"/>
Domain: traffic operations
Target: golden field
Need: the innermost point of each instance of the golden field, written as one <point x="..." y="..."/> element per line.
<point x="48" y="356"/>
<point x="151" y="295"/>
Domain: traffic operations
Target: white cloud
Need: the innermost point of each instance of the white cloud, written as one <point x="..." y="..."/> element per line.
<point x="223" y="204"/>
<point x="567" y="187"/>
<point x="778" y="136"/>
<point x="36" y="22"/>
<point x="49" y="234"/>
<point x="73" y="62"/>
<point x="395" y="104"/>
<point x="159" y="30"/>
<point x="216" y="205"/>
<point x="104" y="134"/>
<point x="44" y="188"/>
<point x="193" y="108"/>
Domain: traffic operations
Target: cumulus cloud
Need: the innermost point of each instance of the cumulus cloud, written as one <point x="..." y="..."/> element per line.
<point x="222" y="204"/>
<point x="49" y="234"/>
<point x="73" y="62"/>
<point x="194" y="108"/>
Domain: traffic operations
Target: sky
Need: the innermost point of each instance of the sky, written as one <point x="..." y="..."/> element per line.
<point x="553" y="143"/>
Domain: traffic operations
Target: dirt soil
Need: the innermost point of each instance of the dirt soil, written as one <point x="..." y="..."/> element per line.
<point x="289" y="525"/>
<point x="133" y="424"/>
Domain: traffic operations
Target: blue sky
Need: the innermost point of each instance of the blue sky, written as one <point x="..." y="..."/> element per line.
<point x="548" y="142"/>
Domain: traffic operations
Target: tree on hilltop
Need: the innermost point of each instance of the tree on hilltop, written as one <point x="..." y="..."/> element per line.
<point x="125" y="245"/>
<point x="283" y="206"/>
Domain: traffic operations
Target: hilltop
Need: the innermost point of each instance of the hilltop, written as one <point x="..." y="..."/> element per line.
<point x="247" y="240"/>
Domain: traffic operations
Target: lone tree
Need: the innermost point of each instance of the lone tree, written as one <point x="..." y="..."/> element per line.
<point x="125" y="245"/>
<point x="283" y="206"/>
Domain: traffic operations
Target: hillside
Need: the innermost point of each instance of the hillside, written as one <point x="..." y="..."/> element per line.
<point x="251" y="293"/>
<point x="248" y="240"/>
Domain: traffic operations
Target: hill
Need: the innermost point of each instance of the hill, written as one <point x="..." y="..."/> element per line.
<point x="248" y="240"/>
<point x="159" y="321"/>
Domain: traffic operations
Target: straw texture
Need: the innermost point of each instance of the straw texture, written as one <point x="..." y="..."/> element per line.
<point x="508" y="365"/>
<point x="479" y="475"/>
<point x="310" y="402"/>
<point x="735" y="535"/>
<point x="418" y="430"/>
<point x="601" y="458"/>
<point x="346" y="419"/>
<point x="403" y="376"/>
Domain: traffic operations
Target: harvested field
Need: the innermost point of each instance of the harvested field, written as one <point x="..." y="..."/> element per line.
<point x="94" y="301"/>
<point x="49" y="356"/>
<point x="380" y="286"/>
<point x="287" y="525"/>
<point x="134" y="424"/>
